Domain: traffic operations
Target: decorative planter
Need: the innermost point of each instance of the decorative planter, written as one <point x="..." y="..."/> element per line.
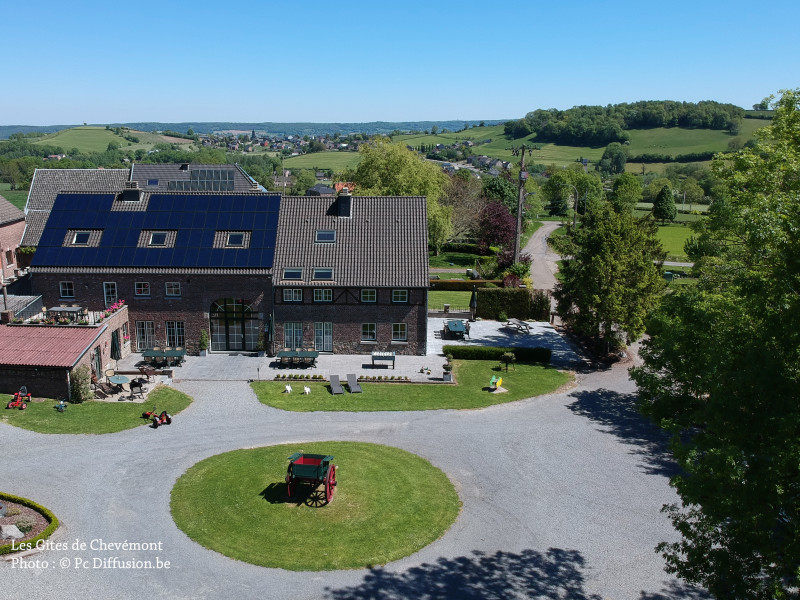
<point x="447" y="376"/>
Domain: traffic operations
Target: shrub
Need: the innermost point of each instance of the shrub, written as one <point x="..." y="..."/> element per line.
<point x="51" y="518"/>
<point x="81" y="388"/>
<point x="25" y="524"/>
<point x="464" y="285"/>
<point x="527" y="355"/>
<point x="502" y="316"/>
<point x="511" y="302"/>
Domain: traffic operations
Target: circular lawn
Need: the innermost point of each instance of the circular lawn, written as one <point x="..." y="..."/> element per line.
<point x="388" y="504"/>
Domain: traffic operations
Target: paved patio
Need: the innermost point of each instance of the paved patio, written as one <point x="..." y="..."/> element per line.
<point x="242" y="367"/>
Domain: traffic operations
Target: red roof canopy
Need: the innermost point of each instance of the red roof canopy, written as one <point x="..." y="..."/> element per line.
<point x="43" y="346"/>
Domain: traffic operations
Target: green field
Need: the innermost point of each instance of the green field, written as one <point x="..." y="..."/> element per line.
<point x="96" y="139"/>
<point x="336" y="161"/>
<point x="16" y="197"/>
<point x="672" y="238"/>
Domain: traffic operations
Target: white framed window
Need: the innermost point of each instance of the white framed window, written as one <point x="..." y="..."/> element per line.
<point x="369" y="296"/>
<point x="293" y="273"/>
<point x="175" y="333"/>
<point x="145" y="335"/>
<point x="66" y="289"/>
<point x="324" y="295"/>
<point x="369" y="332"/>
<point x="399" y="332"/>
<point x="325" y="236"/>
<point x="81" y="238"/>
<point x="172" y="289"/>
<point x="158" y="238"/>
<point x="110" y="292"/>
<point x="399" y="296"/>
<point x="293" y="335"/>
<point x="141" y="288"/>
<point x="126" y="335"/>
<point x="323" y="274"/>
<point x="293" y="295"/>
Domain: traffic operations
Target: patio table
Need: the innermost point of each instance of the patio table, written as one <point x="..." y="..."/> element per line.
<point x="299" y="356"/>
<point x="456" y="328"/>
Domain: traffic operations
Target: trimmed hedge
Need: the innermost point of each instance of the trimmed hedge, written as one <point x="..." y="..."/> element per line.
<point x="526" y="355"/>
<point x="48" y="531"/>
<point x="521" y="303"/>
<point x="462" y="285"/>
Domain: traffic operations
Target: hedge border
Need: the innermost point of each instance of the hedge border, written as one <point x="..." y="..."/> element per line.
<point x="48" y="531"/>
<point x="538" y="354"/>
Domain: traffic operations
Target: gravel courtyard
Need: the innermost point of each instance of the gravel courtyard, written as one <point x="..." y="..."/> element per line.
<point x="561" y="498"/>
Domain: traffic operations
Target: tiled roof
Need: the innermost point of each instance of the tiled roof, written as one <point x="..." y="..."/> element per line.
<point x="383" y="244"/>
<point x="161" y="174"/>
<point x="43" y="346"/>
<point x="193" y="217"/>
<point x="46" y="185"/>
<point x="9" y="213"/>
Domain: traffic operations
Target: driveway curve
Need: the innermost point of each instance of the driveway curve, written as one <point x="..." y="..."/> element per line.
<point x="561" y="499"/>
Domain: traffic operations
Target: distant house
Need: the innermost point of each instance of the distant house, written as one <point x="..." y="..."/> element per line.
<point x="320" y="190"/>
<point x="12" y="226"/>
<point x="344" y="185"/>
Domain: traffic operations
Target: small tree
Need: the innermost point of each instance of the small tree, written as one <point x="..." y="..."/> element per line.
<point x="81" y="385"/>
<point x="664" y="207"/>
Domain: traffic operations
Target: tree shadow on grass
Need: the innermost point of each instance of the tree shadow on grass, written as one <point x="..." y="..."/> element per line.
<point x="555" y="574"/>
<point x="618" y="414"/>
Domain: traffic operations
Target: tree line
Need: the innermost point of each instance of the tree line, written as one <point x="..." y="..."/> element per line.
<point x="601" y="125"/>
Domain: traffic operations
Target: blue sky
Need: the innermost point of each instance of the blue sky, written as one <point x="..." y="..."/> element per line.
<point x="323" y="61"/>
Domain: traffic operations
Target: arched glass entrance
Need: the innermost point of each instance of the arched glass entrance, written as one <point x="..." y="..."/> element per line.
<point x="233" y="325"/>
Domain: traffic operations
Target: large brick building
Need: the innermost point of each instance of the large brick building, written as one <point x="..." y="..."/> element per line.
<point x="345" y="274"/>
<point x="12" y="225"/>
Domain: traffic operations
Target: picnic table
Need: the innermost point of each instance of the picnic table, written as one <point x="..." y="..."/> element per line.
<point x="302" y="357"/>
<point x="175" y="356"/>
<point x="518" y="325"/>
<point x="383" y="356"/>
<point x="457" y="329"/>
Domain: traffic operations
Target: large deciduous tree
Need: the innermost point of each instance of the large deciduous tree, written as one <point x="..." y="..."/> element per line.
<point x="721" y="373"/>
<point x="626" y="192"/>
<point x="614" y="159"/>
<point x="610" y="276"/>
<point x="388" y="169"/>
<point x="464" y="195"/>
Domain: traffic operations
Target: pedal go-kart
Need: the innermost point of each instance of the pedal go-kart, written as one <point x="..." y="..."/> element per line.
<point x="21" y="399"/>
<point x="161" y="418"/>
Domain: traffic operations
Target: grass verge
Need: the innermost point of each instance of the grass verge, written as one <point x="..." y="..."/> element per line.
<point x="471" y="391"/>
<point x="94" y="416"/>
<point x="388" y="504"/>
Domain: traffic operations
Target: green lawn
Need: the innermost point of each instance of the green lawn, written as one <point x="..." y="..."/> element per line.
<point x="672" y="238"/>
<point x="388" y="504"/>
<point x="471" y="391"/>
<point x="17" y="197"/>
<point x="337" y="161"/>
<point x="93" y="416"/>
<point x="452" y="259"/>
<point x="96" y="139"/>
<point x="436" y="298"/>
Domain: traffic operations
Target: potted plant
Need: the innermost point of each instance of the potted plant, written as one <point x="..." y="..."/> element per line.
<point x="448" y="369"/>
<point x="202" y="343"/>
<point x="262" y="344"/>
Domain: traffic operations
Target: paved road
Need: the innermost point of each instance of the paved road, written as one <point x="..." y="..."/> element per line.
<point x="544" y="265"/>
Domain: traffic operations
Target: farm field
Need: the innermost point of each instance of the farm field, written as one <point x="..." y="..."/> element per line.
<point x="96" y="139"/>
<point x="337" y="161"/>
<point x="17" y="197"/>
<point x="673" y="237"/>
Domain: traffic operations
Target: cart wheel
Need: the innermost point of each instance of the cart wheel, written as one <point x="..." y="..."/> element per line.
<point x="330" y="483"/>
<point x="289" y="486"/>
<point x="24" y="406"/>
<point x="155" y="423"/>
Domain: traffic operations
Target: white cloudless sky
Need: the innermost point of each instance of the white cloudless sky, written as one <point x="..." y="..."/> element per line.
<point x="358" y="61"/>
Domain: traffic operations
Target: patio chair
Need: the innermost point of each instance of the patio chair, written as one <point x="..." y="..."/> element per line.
<point x="336" y="386"/>
<point x="352" y="383"/>
<point x="137" y="389"/>
<point x="109" y="373"/>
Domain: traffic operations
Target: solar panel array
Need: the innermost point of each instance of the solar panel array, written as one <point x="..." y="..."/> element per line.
<point x="205" y="180"/>
<point x="195" y="217"/>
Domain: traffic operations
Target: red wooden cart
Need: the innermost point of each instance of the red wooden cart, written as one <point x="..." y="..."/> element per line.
<point x="311" y="469"/>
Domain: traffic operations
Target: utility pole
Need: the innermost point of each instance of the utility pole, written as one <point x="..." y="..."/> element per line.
<point x="523" y="177"/>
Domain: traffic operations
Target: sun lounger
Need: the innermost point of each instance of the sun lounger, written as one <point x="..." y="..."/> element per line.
<point x="352" y="383"/>
<point x="336" y="387"/>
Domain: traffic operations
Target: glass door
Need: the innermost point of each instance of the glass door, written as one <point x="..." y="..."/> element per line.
<point x="323" y="337"/>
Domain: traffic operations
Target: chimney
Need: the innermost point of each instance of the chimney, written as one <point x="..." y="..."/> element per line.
<point x="131" y="192"/>
<point x="184" y="167"/>
<point x="344" y="204"/>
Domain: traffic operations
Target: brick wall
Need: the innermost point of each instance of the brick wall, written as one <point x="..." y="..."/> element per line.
<point x="346" y="314"/>
<point x="198" y="292"/>
<point x="41" y="382"/>
<point x="10" y="236"/>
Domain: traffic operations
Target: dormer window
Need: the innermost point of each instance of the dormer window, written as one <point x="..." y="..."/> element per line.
<point x="325" y="236"/>
<point x="323" y="274"/>
<point x="235" y="240"/>
<point x="158" y="238"/>
<point x="81" y="238"/>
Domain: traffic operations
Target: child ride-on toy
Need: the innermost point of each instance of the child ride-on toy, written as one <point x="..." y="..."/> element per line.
<point x="21" y="399"/>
